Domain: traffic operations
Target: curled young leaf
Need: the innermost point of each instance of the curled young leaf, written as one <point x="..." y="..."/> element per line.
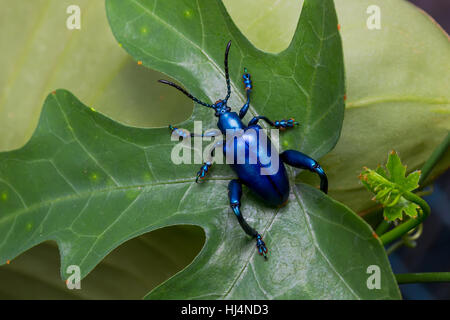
<point x="389" y="187"/>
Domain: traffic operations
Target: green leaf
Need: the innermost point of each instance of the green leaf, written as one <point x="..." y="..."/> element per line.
<point x="130" y="95"/>
<point x="397" y="173"/>
<point x="90" y="202"/>
<point x="187" y="39"/>
<point x="390" y="186"/>
<point x="92" y="167"/>
<point x="397" y="92"/>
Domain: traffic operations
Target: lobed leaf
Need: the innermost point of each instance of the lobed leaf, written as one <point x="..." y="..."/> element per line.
<point x="289" y="84"/>
<point x="90" y="183"/>
<point x="89" y="202"/>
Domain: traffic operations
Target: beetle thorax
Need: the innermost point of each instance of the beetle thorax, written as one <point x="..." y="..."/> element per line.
<point x="229" y="121"/>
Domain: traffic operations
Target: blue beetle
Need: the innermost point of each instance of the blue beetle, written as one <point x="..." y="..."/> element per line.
<point x="273" y="187"/>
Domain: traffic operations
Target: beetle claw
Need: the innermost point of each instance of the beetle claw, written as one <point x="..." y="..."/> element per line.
<point x="200" y="176"/>
<point x="261" y="246"/>
<point x="285" y="124"/>
<point x="203" y="171"/>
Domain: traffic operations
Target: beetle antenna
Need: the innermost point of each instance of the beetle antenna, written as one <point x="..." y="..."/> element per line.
<point x="186" y="93"/>
<point x="227" y="75"/>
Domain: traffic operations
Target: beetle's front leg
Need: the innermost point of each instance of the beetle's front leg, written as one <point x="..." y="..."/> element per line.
<point x="201" y="174"/>
<point x="185" y="133"/>
<point x="279" y="124"/>
<point x="248" y="88"/>
<point x="235" y="194"/>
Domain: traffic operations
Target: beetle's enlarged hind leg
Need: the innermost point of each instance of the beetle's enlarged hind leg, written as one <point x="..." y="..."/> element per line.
<point x="300" y="160"/>
<point x="235" y="194"/>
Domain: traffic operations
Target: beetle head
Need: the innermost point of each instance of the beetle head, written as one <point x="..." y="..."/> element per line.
<point x="221" y="107"/>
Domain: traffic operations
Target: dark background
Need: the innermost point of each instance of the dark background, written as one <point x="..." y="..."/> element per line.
<point x="432" y="253"/>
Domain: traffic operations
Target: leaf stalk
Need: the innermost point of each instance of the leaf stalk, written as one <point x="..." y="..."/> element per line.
<point x="434" y="158"/>
<point x="405" y="278"/>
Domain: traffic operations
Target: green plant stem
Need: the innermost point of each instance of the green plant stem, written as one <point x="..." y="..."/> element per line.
<point x="400" y="230"/>
<point x="403" y="278"/>
<point x="382" y="227"/>
<point x="434" y="158"/>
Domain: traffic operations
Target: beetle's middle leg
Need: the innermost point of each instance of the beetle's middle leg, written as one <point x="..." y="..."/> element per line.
<point x="280" y="124"/>
<point x="235" y="193"/>
<point x="204" y="169"/>
<point x="185" y="133"/>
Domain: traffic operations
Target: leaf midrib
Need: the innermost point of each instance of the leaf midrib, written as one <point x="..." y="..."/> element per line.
<point x="83" y="194"/>
<point x="313" y="240"/>
<point x="387" y="99"/>
<point x="316" y="244"/>
<point x="12" y="77"/>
